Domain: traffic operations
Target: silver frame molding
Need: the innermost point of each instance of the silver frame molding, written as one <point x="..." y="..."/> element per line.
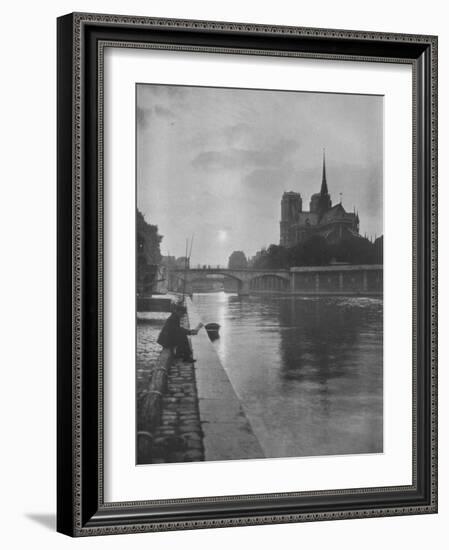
<point x="81" y="42"/>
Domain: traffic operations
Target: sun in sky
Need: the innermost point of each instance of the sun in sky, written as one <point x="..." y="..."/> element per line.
<point x="222" y="235"/>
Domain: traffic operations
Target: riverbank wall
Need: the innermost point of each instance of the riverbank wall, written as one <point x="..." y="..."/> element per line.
<point x="158" y="303"/>
<point x="333" y="280"/>
<point x="227" y="433"/>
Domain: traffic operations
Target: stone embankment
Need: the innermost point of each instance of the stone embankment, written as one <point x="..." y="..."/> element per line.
<point x="201" y="417"/>
<point x="169" y="427"/>
<point x="227" y="432"/>
<point x="179" y="437"/>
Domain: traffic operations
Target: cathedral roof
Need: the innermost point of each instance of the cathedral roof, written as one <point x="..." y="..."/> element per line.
<point x="336" y="213"/>
<point x="312" y="218"/>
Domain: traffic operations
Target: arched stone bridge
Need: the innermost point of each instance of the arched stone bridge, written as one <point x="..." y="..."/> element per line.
<point x="244" y="277"/>
<point x="350" y="280"/>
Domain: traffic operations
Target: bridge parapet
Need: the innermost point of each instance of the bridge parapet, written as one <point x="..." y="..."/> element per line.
<point x="330" y="279"/>
<point x="243" y="276"/>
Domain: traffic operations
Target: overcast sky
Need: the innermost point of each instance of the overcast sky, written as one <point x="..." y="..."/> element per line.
<point x="214" y="162"/>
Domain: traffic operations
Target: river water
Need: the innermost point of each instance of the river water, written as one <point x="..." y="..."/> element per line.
<point x="308" y="370"/>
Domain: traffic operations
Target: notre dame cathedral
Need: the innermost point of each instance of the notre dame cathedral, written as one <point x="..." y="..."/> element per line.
<point x="331" y="222"/>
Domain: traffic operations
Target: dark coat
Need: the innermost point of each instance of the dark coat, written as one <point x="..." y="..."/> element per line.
<point x="172" y="334"/>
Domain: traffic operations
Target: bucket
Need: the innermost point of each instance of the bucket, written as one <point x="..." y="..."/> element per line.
<point x="213" y="331"/>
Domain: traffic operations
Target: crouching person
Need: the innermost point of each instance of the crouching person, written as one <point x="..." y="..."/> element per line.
<point x="174" y="337"/>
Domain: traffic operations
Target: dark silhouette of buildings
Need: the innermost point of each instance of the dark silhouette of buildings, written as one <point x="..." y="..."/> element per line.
<point x="331" y="222"/>
<point x="237" y="260"/>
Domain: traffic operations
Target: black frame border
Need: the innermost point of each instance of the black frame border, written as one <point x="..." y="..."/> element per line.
<point x="81" y="510"/>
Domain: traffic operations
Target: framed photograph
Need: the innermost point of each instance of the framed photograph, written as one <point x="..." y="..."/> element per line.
<point x="247" y="283"/>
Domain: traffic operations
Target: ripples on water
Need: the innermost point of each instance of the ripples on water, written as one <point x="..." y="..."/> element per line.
<point x="308" y="370"/>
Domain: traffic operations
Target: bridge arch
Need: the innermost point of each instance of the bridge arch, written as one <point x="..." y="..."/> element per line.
<point x="247" y="279"/>
<point x="269" y="282"/>
<point x="190" y="276"/>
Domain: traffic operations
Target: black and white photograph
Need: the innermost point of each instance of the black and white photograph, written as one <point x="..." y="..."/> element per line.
<point x="222" y="286"/>
<point x="259" y="274"/>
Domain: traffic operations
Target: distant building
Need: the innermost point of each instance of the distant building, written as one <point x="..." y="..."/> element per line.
<point x="176" y="263"/>
<point x="168" y="260"/>
<point x="253" y="260"/>
<point x="331" y="222"/>
<point x="169" y="265"/>
<point x="237" y="260"/>
<point x="183" y="262"/>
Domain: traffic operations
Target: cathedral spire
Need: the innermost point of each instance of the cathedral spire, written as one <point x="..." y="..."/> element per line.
<point x="324" y="190"/>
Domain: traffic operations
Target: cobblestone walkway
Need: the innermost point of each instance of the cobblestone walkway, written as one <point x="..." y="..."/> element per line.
<point x="148" y="328"/>
<point x="179" y="438"/>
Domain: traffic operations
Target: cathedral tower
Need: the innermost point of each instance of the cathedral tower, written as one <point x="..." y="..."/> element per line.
<point x="332" y="223"/>
<point x="291" y="206"/>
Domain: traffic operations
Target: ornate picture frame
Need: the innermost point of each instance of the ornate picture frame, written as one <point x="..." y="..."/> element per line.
<point x="81" y="507"/>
